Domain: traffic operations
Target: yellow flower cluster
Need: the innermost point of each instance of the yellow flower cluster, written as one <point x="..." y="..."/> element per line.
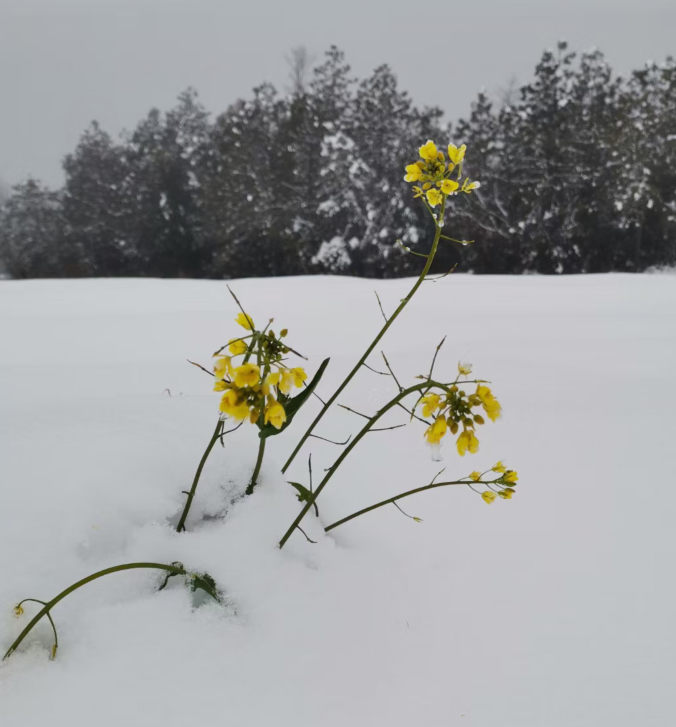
<point x="505" y="484"/>
<point x="252" y="390"/>
<point x="453" y="407"/>
<point x="434" y="173"/>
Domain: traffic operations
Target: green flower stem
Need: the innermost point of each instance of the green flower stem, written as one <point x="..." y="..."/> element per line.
<point x="401" y="496"/>
<point x="45" y="611"/>
<point x="257" y="468"/>
<point x="198" y="474"/>
<point x="374" y="343"/>
<point x="401" y="395"/>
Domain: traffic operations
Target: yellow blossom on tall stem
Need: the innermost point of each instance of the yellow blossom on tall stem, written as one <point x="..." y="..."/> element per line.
<point x="299" y="376"/>
<point x="286" y="382"/>
<point x="467" y="442"/>
<point x="275" y="414"/>
<point x="448" y="186"/>
<point x="510" y="476"/>
<point x="413" y="173"/>
<point x="245" y="321"/>
<point x="428" y="151"/>
<point x="430" y="404"/>
<point x="234" y="406"/>
<point x="488" y="496"/>
<point x="434" y="197"/>
<point x="490" y="404"/>
<point x="455" y="154"/>
<point x="222" y="366"/>
<point x="476" y="476"/>
<point x="273" y="378"/>
<point x="247" y="375"/>
<point x="436" y="431"/>
<point x="237" y="347"/>
<point x="499" y="467"/>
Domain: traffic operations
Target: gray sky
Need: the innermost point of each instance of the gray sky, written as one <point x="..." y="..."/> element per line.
<point x="64" y="63"/>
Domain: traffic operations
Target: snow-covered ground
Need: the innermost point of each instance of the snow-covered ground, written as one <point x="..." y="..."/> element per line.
<point x="555" y="609"/>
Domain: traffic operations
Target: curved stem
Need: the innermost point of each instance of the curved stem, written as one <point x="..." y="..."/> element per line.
<point x="401" y="395"/>
<point x="198" y="474"/>
<point x="374" y="343"/>
<point x="176" y="570"/>
<point x="257" y="468"/>
<point x="392" y="500"/>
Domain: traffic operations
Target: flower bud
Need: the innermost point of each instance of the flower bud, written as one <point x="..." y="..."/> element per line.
<point x="454" y="428"/>
<point x="454" y="388"/>
<point x="284" y="332"/>
<point x="479" y="419"/>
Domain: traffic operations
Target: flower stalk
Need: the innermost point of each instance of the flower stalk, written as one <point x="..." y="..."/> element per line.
<point x="427" y="384"/>
<point x="186" y="509"/>
<point x="467" y="482"/>
<point x="388" y="322"/>
<point x="174" y="569"/>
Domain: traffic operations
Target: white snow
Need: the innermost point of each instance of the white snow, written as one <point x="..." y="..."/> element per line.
<point x="555" y="609"/>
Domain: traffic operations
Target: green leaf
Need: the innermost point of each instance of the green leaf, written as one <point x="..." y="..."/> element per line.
<point x="291" y="406"/>
<point x="304" y="495"/>
<point x="204" y="582"/>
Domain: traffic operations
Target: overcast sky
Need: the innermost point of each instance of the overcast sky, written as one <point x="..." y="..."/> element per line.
<point x="64" y="63"/>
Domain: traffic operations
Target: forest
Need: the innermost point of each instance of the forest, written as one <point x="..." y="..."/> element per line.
<point x="577" y="171"/>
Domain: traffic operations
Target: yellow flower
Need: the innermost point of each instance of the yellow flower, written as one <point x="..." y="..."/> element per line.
<point x="222" y="366"/>
<point x="418" y="192"/>
<point x="413" y="173"/>
<point x="499" y="467"/>
<point x="436" y="431"/>
<point x="430" y="404"/>
<point x="506" y="494"/>
<point x="448" y="186"/>
<point x="299" y="376"/>
<point x="429" y="151"/>
<point x="490" y="404"/>
<point x="18" y="610"/>
<point x="286" y="381"/>
<point x="245" y="321"/>
<point x="273" y="378"/>
<point x="489" y="496"/>
<point x="467" y="441"/>
<point x="510" y="476"/>
<point x="434" y="197"/>
<point x="455" y="154"/>
<point x="234" y="405"/>
<point x="247" y="375"/>
<point x="237" y="347"/>
<point x="221" y="385"/>
<point x="465" y="369"/>
<point x="476" y="476"/>
<point x="275" y="414"/>
<point x="468" y="186"/>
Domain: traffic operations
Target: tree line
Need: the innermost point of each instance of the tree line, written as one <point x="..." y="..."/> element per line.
<point x="577" y="171"/>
